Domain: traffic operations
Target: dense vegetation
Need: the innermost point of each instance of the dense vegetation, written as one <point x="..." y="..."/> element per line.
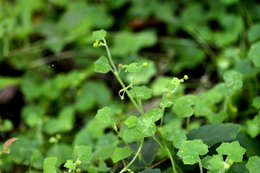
<point x="129" y="86"/>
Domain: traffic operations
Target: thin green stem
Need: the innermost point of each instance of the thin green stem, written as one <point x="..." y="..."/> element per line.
<point x="127" y="92"/>
<point x="161" y="123"/>
<point x="166" y="149"/>
<point x="200" y="165"/>
<point x="171" y="158"/>
<point x="116" y="74"/>
<point x="109" y="56"/>
<point x="136" y="155"/>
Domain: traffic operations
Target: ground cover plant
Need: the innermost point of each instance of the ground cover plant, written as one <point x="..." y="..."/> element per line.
<point x="129" y="86"/>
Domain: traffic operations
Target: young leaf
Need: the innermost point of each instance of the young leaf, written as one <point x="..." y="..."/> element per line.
<point x="253" y="164"/>
<point x="121" y="153"/>
<point x="99" y="35"/>
<point x="191" y="150"/>
<point x="233" y="151"/>
<point x="70" y="164"/>
<point x="105" y="115"/>
<point x="102" y="65"/>
<point x="214" y="162"/>
<point x="253" y="54"/>
<point x="183" y="106"/>
<point x="233" y="81"/>
<point x="49" y="165"/>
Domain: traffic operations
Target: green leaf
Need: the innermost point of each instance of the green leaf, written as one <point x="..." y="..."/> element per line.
<point x="254" y="53"/>
<point x="233" y="151"/>
<point x="105" y="115"/>
<point x="99" y="35"/>
<point x="256" y="102"/>
<point x="214" y="162"/>
<point x="233" y="81"/>
<point x="149" y="170"/>
<point x="63" y="123"/>
<point x="130" y="134"/>
<point x="143" y="76"/>
<point x="159" y="86"/>
<point x="70" y="164"/>
<point x="154" y="114"/>
<point x="253" y="33"/>
<point x="83" y="153"/>
<point x="253" y="126"/>
<point x="142" y="92"/>
<point x="102" y="65"/>
<point x="216" y="133"/>
<point x="33" y="114"/>
<point x="126" y="43"/>
<point x="49" y="165"/>
<point x="62" y="152"/>
<point x="121" y="153"/>
<point x="177" y="136"/>
<point x="183" y="106"/>
<point x="253" y="164"/>
<point x="191" y="150"/>
<point x="146" y="126"/>
<point x="133" y="68"/>
<point x="131" y="121"/>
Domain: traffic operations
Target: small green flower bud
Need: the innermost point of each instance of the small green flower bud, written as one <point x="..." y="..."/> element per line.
<point x="169" y="95"/>
<point x="78" y="170"/>
<point x="120" y="66"/>
<point x="78" y="162"/>
<point x="145" y="64"/>
<point x="186" y="77"/>
<point x="96" y="43"/>
<point x="53" y="140"/>
<point x="58" y="136"/>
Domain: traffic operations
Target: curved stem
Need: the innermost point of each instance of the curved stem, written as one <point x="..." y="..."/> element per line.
<point x="165" y="148"/>
<point x="116" y="74"/>
<point x="136" y="155"/>
<point x="127" y="92"/>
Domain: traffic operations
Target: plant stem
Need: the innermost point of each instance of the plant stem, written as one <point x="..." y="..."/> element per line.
<point x="165" y="148"/>
<point x="109" y="56"/>
<point x="200" y="165"/>
<point x="136" y="155"/>
<point x="116" y="74"/>
<point x="161" y="123"/>
<point x="188" y="124"/>
<point x="127" y="92"/>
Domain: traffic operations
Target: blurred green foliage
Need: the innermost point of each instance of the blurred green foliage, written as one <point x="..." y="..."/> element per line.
<point x="47" y="53"/>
